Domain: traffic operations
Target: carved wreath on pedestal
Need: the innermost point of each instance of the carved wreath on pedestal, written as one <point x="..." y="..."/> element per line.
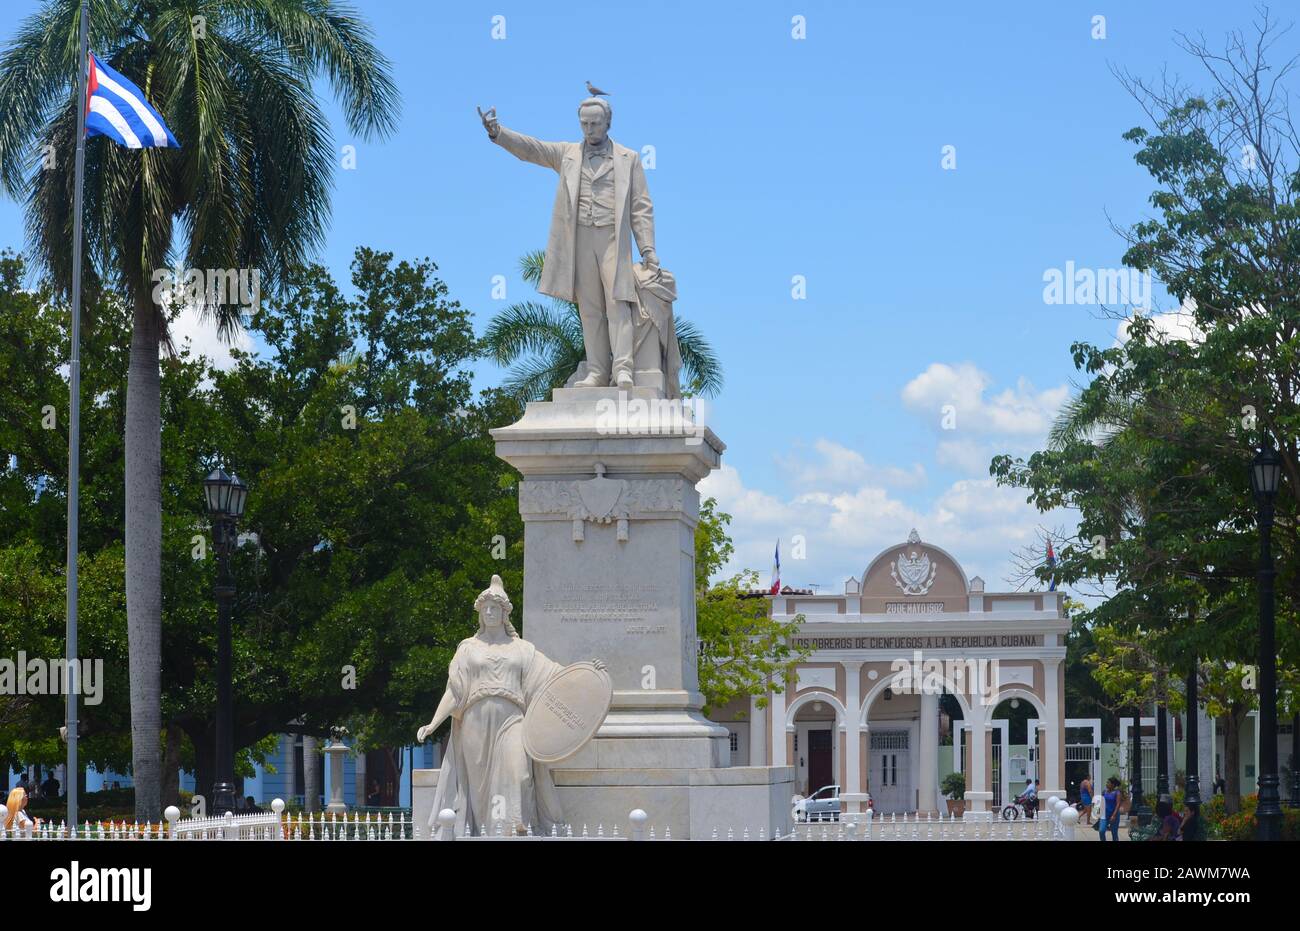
<point x="600" y="500"/>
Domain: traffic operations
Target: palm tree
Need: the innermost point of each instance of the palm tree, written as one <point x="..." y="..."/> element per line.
<point x="249" y="189"/>
<point x="544" y="344"/>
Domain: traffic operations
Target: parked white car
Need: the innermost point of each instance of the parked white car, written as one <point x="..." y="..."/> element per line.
<point x="822" y="805"/>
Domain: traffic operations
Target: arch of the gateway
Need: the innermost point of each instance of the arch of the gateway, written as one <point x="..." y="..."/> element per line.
<point x="868" y="711"/>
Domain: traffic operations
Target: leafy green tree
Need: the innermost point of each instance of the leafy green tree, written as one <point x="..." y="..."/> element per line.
<point x="375" y="500"/>
<point x="249" y="189"/>
<point x="1223" y="240"/>
<point x="1153" y="453"/>
<point x="743" y="651"/>
<point x="375" y="512"/>
<point x="543" y="343"/>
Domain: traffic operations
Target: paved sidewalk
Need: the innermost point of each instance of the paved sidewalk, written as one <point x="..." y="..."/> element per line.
<point x="1089" y="831"/>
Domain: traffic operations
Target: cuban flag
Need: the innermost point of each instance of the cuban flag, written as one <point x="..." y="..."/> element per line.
<point x="117" y="109"/>
<point x="776" y="570"/>
<point x="1051" y="563"/>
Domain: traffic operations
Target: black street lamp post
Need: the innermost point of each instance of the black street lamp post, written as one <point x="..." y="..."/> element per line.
<point x="225" y="496"/>
<point x="1295" y="760"/>
<point x="1162" y="749"/>
<point x="1139" y="811"/>
<point x="1193" y="794"/>
<point x="1265" y="474"/>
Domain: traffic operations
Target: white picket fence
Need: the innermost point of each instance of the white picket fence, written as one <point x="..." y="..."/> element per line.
<point x="271" y="825"/>
<point x="1055" y="823"/>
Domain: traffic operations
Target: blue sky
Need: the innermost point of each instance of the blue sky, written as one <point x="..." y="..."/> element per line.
<point x="821" y="157"/>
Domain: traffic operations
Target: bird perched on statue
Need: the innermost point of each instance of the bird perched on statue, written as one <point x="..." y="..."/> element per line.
<point x="595" y="91"/>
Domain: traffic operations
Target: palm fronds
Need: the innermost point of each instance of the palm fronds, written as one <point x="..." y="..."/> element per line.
<point x="543" y="343"/>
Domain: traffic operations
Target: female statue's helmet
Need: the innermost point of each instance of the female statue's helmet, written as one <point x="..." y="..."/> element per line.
<point x="496" y="592"/>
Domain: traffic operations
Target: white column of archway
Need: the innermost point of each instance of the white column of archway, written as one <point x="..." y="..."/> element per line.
<point x="758" y="730"/>
<point x="928" y="781"/>
<point x="776" y="729"/>
<point x="852" y="726"/>
<point x="1053" y="741"/>
<point x="978" y="794"/>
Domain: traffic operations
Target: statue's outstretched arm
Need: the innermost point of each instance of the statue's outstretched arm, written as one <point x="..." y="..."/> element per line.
<point x="445" y="708"/>
<point x="538" y="151"/>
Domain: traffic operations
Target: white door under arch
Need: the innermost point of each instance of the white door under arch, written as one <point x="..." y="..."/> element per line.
<point x="889" y="772"/>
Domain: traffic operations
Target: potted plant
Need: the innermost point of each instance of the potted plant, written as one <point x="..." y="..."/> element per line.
<point x="954" y="787"/>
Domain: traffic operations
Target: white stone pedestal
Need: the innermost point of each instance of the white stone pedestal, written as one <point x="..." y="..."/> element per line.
<point x="424" y="784"/>
<point x="683" y="803"/>
<point x="336" y="751"/>
<point x="610" y="507"/>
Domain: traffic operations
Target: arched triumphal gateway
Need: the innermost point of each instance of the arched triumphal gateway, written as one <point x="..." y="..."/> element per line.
<point x="868" y="713"/>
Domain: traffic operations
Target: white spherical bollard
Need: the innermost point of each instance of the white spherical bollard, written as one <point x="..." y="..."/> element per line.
<point x="447" y="822"/>
<point x="1051" y="802"/>
<point x="638" y="818"/>
<point x="1069" y="818"/>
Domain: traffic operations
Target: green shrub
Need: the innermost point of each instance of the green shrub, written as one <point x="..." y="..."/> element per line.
<point x="1244" y="826"/>
<point x="953" y="786"/>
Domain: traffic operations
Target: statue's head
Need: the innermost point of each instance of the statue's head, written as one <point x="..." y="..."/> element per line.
<point x="594" y="116"/>
<point x="494" y="607"/>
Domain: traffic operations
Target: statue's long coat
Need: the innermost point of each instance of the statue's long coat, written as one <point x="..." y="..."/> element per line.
<point x="633" y="212"/>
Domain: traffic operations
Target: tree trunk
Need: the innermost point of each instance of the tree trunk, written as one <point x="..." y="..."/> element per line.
<point x="171" y="774"/>
<point x="1234" y="720"/>
<point x="144" y="554"/>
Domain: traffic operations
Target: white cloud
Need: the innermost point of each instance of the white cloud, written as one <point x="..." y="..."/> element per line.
<point x="190" y="328"/>
<point x="838" y="466"/>
<point x="1019" y="411"/>
<point x="981" y="524"/>
<point x="1177" y="324"/>
<point x="967" y="455"/>
<point x="839" y="510"/>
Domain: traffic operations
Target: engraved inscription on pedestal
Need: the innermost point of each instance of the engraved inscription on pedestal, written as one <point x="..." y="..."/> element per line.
<point x="627" y="606"/>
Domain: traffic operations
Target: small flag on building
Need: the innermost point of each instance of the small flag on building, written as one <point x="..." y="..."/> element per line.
<point x="116" y="108"/>
<point x="776" y="570"/>
<point x="1051" y="564"/>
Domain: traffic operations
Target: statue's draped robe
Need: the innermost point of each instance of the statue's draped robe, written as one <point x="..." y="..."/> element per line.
<point x="655" y="293"/>
<point x="486" y="776"/>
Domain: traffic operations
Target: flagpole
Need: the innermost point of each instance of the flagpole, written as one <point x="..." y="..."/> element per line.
<point x="71" y="776"/>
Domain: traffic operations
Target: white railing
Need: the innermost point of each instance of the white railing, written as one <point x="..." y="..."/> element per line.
<point x="272" y="825"/>
<point x="1055" y="823"/>
<point x="253" y="826"/>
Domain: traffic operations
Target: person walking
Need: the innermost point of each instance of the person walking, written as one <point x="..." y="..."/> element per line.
<point x="1085" y="800"/>
<point x="1110" y="819"/>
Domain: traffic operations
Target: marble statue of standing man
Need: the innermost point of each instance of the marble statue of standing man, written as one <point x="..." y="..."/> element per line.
<point x="602" y="203"/>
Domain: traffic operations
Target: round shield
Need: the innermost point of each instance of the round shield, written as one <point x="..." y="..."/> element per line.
<point x="567" y="712"/>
